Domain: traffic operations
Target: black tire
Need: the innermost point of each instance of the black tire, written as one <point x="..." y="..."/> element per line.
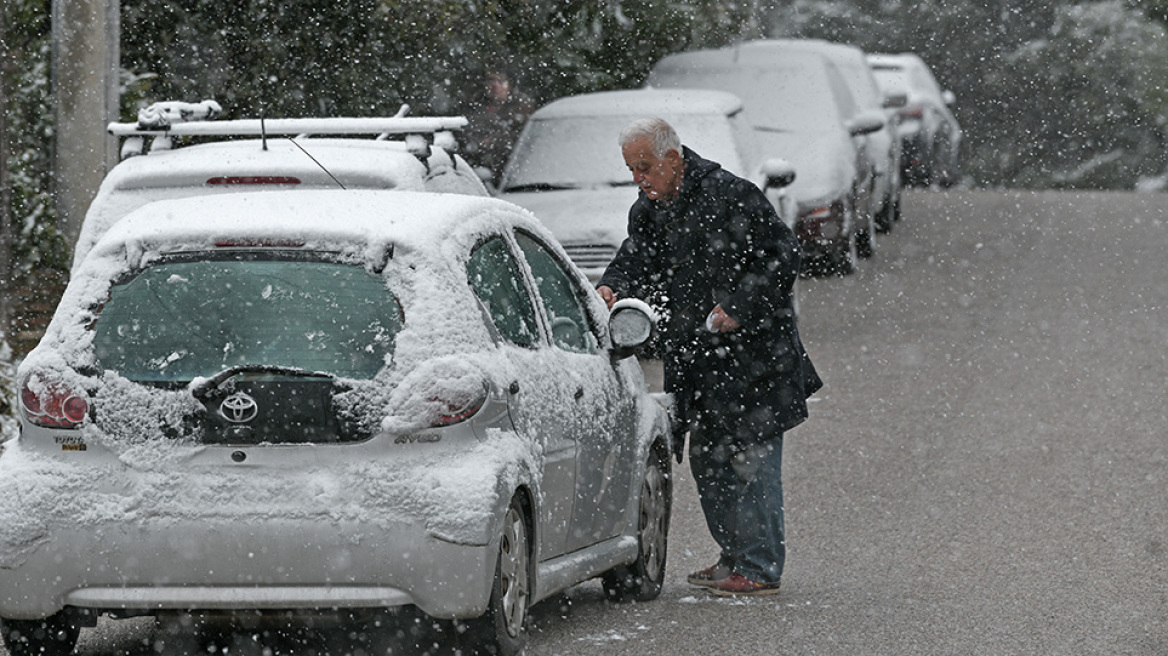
<point x="55" y="635"/>
<point x="501" y="631"/>
<point x="642" y="579"/>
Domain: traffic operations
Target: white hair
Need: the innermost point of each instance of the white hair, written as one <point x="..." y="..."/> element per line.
<point x="660" y="133"/>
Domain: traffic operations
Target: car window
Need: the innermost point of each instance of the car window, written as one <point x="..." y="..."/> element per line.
<point x="177" y="320"/>
<point x="494" y="276"/>
<point x="540" y="161"/>
<point x="571" y="329"/>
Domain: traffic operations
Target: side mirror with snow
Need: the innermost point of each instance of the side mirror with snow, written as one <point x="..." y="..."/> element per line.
<point x="866" y="122"/>
<point x="631" y="325"/>
<point x="778" y="173"/>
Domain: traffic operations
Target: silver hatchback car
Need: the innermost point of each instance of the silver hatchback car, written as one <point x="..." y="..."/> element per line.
<point x="314" y="402"/>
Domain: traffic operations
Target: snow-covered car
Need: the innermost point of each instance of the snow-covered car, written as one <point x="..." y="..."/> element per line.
<point x="882" y="147"/>
<point x="398" y="152"/>
<point x="567" y="167"/>
<point x="327" y="401"/>
<point x="929" y="132"/>
<point x="801" y="110"/>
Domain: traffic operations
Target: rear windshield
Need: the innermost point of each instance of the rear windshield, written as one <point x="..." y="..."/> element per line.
<point x="181" y="319"/>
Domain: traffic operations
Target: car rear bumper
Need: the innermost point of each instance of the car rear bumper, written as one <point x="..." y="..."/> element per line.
<point x="276" y="564"/>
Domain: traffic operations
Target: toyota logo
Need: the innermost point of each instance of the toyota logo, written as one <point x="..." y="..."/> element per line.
<point x="239" y="408"/>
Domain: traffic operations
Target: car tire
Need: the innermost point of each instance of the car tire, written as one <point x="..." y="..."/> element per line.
<point x="642" y="579"/>
<point x="866" y="237"/>
<point x="884" y="217"/>
<point x="501" y="631"/>
<point x="55" y="635"/>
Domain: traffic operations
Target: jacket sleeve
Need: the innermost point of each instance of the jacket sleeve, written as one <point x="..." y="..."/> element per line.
<point x="771" y="259"/>
<point x="630" y="271"/>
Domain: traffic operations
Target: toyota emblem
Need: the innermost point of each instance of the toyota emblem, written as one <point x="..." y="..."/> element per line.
<point x="239" y="408"/>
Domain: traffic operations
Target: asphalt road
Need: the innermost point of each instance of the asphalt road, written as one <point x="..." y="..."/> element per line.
<point x="984" y="472"/>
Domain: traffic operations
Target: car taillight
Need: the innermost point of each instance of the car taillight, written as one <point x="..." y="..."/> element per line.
<point x="453" y="412"/>
<point x="52" y="404"/>
<point x="912" y="111"/>
<point x="253" y="180"/>
<point x="824" y="222"/>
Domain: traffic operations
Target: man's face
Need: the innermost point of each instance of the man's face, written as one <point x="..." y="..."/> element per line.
<point x="658" y="177"/>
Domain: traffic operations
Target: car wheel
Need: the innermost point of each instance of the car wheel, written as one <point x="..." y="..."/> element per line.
<point x="846" y="256"/>
<point x="501" y="631"/>
<point x="53" y="636"/>
<point x="866" y="238"/>
<point x="884" y="217"/>
<point x="642" y="579"/>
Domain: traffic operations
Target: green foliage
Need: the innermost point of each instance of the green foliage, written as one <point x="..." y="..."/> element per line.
<point x="366" y="57"/>
<point x="36" y="241"/>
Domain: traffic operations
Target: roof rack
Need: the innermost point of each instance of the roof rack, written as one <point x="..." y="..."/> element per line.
<point x="164" y="121"/>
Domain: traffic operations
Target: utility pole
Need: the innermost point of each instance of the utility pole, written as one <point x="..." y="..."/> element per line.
<point x="86" y="99"/>
<point x="5" y="188"/>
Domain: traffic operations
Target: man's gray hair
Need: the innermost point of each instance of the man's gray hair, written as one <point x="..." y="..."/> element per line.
<point x="661" y="135"/>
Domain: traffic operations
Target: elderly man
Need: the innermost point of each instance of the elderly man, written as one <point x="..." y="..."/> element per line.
<point x="711" y="245"/>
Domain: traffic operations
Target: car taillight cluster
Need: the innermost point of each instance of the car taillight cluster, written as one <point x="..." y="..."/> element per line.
<point x="912" y="111"/>
<point x="52" y="404"/>
<point x="821" y="223"/>
<point x="453" y="412"/>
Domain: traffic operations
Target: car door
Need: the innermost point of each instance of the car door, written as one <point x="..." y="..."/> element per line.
<point x="536" y="389"/>
<point x="601" y="412"/>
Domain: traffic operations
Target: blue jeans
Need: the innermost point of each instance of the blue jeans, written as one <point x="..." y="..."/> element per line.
<point x="741" y="492"/>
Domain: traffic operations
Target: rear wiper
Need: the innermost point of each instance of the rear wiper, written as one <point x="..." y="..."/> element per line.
<point x="540" y="186"/>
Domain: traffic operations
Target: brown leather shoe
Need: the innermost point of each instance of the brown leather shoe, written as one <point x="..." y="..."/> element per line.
<point x="739" y="585"/>
<point x="708" y="576"/>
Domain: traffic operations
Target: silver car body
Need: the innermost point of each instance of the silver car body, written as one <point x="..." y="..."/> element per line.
<point x="883" y="145"/>
<point x="930" y="134"/>
<point x="116" y="515"/>
<point x="801" y="110"/>
<point x="567" y="168"/>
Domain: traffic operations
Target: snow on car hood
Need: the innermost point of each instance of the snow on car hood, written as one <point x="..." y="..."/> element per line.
<point x="593" y="216"/>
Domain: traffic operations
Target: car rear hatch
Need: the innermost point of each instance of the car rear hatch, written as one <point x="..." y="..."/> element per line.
<point x="269" y="342"/>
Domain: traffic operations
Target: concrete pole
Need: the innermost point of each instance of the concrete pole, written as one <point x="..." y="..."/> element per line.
<point x="86" y="97"/>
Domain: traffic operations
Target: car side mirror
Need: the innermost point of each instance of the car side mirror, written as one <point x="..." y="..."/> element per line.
<point x="778" y="173"/>
<point x="949" y="97"/>
<point x="631" y="325"/>
<point x="895" y="100"/>
<point x="866" y="122"/>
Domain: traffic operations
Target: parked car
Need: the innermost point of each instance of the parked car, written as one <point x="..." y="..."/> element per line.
<point x="929" y="133"/>
<point x="303" y="403"/>
<point x="882" y="146"/>
<point x="567" y="166"/>
<point x="275" y="154"/>
<point x="801" y="110"/>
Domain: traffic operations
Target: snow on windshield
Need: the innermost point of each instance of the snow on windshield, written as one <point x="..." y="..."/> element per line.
<point x="583" y="151"/>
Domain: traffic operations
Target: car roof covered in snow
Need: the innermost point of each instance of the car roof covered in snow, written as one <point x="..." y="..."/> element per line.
<point x="642" y="102"/>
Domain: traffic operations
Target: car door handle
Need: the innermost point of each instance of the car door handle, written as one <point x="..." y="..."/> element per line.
<point x="514" y="387"/>
<point x="579" y="393"/>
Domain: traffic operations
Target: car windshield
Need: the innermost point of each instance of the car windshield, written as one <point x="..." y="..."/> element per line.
<point x="582" y="152"/>
<point x="191" y="317"/>
<point x="780" y="98"/>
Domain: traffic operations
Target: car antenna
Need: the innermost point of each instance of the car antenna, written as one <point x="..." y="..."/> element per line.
<point x="263" y="131"/>
<point x="317" y="162"/>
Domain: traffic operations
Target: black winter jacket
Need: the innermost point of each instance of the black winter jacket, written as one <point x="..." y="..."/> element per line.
<point x="720" y="242"/>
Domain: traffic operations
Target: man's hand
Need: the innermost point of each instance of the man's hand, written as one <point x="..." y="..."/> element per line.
<point x="607" y="295"/>
<point x="720" y="322"/>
